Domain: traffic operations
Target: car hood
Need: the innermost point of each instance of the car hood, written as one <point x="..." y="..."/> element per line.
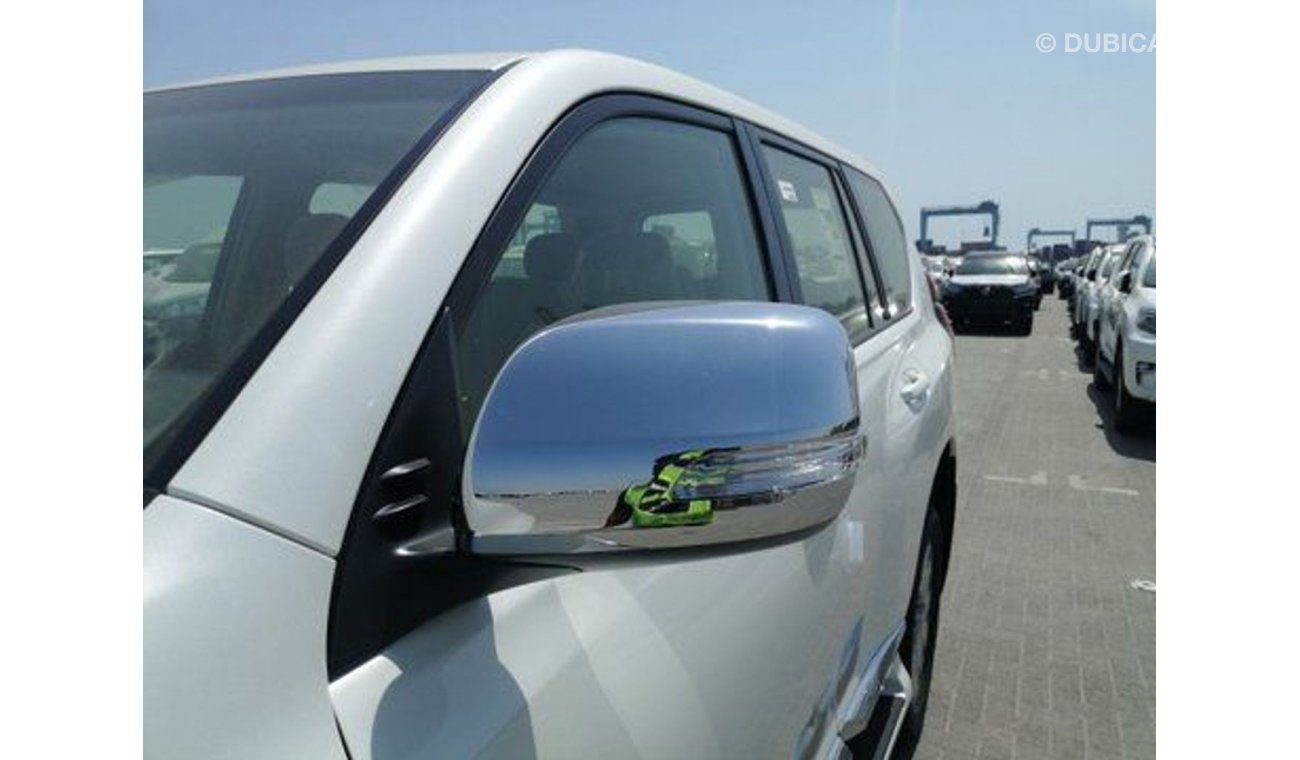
<point x="989" y="279"/>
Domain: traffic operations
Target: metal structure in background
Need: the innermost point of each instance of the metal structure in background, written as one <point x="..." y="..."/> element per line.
<point x="1038" y="232"/>
<point x="985" y="208"/>
<point x="1122" y="227"/>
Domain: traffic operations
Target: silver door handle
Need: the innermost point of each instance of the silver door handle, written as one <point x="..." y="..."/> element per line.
<point x="916" y="387"/>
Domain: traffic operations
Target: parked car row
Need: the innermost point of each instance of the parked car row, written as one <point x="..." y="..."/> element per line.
<point x="1113" y="317"/>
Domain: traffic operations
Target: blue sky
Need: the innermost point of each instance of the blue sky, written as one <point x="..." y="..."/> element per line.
<point x="951" y="100"/>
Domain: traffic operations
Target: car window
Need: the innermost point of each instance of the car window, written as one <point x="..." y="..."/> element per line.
<point x="1131" y="257"/>
<point x="637" y="210"/>
<point x="888" y="242"/>
<point x="246" y="185"/>
<point x="691" y="240"/>
<point x="343" y="198"/>
<point x="993" y="265"/>
<point x="1107" y="265"/>
<point x="818" y="233"/>
<point x="1149" y="276"/>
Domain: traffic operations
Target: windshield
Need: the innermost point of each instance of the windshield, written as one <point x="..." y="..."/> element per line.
<point x="1149" y="276"/>
<point x="246" y="185"/>
<point x="993" y="265"/>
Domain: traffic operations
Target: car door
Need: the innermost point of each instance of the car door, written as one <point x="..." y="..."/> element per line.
<point x="727" y="654"/>
<point x="920" y="351"/>
<point x="818" y="240"/>
<point x="1111" y="300"/>
<point x="901" y="356"/>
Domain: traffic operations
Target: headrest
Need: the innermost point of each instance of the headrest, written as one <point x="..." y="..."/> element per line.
<point x="629" y="253"/>
<point x="306" y="240"/>
<point x="630" y="266"/>
<point x="551" y="258"/>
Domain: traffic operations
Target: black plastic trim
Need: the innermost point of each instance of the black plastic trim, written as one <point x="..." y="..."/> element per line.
<point x="780" y="262"/>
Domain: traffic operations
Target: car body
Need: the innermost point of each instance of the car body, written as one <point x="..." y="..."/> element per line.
<point x="1036" y="278"/>
<point x="1065" y="279"/>
<point x="1126" y="346"/>
<point x="1046" y="271"/>
<point x="1085" y="265"/>
<point x="1086" y="307"/>
<point x="339" y="558"/>
<point x="158" y="258"/>
<point x="992" y="288"/>
<point x="936" y="267"/>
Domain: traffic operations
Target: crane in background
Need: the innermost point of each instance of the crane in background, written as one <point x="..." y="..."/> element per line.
<point x="1122" y="227"/>
<point x="1037" y="233"/>
<point x="986" y="208"/>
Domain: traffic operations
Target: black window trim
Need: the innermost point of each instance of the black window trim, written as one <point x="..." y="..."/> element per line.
<point x="425" y="420"/>
<point x="758" y="137"/>
<point x="214" y="401"/>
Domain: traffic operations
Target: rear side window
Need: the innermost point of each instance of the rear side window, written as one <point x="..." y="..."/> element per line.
<point x="818" y="234"/>
<point x="888" y="243"/>
<point x="638" y="210"/>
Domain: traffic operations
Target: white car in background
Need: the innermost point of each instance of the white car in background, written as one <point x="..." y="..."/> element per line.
<point x="413" y="490"/>
<point x="937" y="270"/>
<point x="1126" y="346"/>
<point x="1078" y="278"/>
<point x="1087" y="292"/>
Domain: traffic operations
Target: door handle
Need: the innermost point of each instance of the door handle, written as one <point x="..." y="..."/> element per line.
<point x="916" y="388"/>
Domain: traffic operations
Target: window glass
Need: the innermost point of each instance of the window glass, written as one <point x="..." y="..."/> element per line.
<point x="888" y="242"/>
<point x="1149" y="276"/>
<point x="992" y="265"/>
<point x="339" y="198"/>
<point x="819" y="236"/>
<point x="245" y="187"/>
<point x="541" y="219"/>
<point x="637" y="210"/>
<point x="1108" y="265"/>
<point x="691" y="240"/>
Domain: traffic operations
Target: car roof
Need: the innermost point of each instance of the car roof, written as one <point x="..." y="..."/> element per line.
<point x="602" y="72"/>
<point x="447" y="62"/>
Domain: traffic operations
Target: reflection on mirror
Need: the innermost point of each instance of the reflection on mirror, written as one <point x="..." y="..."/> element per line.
<point x="666" y="426"/>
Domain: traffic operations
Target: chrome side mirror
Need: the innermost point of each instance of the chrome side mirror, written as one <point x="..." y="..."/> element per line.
<point x="656" y="426"/>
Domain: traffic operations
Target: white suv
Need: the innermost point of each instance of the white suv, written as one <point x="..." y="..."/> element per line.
<point x="1086" y="311"/>
<point x="1126" y="346"/>
<point x="546" y="405"/>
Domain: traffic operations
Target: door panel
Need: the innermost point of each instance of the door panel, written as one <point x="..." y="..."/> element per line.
<point x="720" y="657"/>
<point x="818" y="233"/>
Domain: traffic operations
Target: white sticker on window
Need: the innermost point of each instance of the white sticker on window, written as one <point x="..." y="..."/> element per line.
<point x="787" y="191"/>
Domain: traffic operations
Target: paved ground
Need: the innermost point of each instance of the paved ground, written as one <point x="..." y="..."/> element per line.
<point x="1045" y="651"/>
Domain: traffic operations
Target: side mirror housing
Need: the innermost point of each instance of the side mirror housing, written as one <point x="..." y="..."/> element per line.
<point x="1126" y="282"/>
<point x="665" y="426"/>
